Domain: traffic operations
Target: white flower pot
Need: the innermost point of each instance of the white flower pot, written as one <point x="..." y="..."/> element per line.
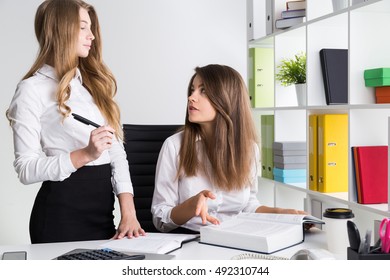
<point x="339" y="5"/>
<point x="300" y="90"/>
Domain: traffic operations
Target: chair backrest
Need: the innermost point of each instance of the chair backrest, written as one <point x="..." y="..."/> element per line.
<point x="142" y="145"/>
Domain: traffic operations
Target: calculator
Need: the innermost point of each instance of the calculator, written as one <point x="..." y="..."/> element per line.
<point x="99" y="254"/>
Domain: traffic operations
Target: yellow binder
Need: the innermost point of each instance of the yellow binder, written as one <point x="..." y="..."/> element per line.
<point x="333" y="153"/>
<point x="313" y="153"/>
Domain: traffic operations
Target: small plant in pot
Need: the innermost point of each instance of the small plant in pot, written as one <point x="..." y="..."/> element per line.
<point x="293" y="72"/>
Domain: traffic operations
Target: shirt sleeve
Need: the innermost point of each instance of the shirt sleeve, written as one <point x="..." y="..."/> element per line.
<point x="30" y="163"/>
<point x="253" y="202"/>
<point x="166" y="187"/>
<point x="121" y="180"/>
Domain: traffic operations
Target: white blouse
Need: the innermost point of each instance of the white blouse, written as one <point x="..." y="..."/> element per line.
<point x="170" y="192"/>
<point x="43" y="141"/>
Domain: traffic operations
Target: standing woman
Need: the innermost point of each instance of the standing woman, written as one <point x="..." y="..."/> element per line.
<point x="207" y="173"/>
<point x="81" y="167"/>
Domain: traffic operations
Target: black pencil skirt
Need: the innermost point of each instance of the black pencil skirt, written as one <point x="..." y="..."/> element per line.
<point x="76" y="209"/>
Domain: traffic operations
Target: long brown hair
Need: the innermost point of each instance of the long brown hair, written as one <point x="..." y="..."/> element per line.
<point x="230" y="151"/>
<point x="57" y="25"/>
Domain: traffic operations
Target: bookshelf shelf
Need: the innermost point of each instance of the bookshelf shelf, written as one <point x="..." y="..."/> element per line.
<point x="341" y="197"/>
<point x="360" y="29"/>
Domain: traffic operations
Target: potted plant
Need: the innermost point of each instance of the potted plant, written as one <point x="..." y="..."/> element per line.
<point x="293" y="72"/>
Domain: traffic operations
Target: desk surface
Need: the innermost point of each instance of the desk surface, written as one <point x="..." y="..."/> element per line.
<point x="189" y="251"/>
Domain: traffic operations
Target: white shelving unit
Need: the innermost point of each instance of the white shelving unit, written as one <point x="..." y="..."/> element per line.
<point x="360" y="28"/>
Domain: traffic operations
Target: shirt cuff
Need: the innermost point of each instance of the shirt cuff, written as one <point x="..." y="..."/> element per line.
<point x="67" y="166"/>
<point x="252" y="208"/>
<point x="166" y="217"/>
<point x="124" y="187"/>
<point x="166" y="223"/>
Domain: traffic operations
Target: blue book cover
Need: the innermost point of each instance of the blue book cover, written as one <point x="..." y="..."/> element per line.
<point x="289" y="172"/>
<point x="290" y="179"/>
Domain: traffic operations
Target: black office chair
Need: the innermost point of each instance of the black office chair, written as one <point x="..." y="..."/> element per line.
<point x="142" y="145"/>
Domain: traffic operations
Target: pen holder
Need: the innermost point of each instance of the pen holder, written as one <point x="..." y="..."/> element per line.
<point x="354" y="255"/>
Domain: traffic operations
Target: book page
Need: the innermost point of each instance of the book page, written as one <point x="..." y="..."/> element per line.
<point x="281" y="218"/>
<point x="160" y="243"/>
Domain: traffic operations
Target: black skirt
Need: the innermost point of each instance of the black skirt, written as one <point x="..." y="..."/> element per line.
<point x="76" y="209"/>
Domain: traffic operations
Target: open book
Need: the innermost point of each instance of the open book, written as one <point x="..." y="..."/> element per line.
<point x="265" y="233"/>
<point x="158" y="243"/>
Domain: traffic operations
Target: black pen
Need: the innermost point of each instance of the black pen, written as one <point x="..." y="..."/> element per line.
<point x="84" y="120"/>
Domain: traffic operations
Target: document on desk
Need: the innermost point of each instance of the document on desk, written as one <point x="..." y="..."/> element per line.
<point x="157" y="243"/>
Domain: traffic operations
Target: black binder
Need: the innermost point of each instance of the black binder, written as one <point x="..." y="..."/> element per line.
<point x="334" y="64"/>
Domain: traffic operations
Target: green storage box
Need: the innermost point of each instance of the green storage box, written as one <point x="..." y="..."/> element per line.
<point x="377" y="77"/>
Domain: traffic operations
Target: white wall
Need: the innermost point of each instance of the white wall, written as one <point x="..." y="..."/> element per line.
<point x="152" y="46"/>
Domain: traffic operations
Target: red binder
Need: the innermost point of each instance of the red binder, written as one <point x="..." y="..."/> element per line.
<point x="371" y="171"/>
<point x="357" y="175"/>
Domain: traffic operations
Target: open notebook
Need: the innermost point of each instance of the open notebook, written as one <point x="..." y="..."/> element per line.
<point x="157" y="243"/>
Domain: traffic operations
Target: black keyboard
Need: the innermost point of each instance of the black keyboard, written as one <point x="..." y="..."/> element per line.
<point x="98" y="254"/>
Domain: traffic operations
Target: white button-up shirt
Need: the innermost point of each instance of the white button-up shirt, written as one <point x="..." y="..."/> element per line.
<point x="43" y="141"/>
<point x="170" y="192"/>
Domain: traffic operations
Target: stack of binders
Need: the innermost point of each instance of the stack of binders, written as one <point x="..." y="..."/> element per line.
<point x="290" y="162"/>
<point x="379" y="78"/>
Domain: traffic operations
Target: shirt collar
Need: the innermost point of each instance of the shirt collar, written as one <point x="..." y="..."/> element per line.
<point x="50" y="72"/>
<point x="78" y="75"/>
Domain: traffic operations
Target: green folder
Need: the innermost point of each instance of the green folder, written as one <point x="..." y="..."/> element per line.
<point x="267" y="138"/>
<point x="261" y="80"/>
<point x="377" y="77"/>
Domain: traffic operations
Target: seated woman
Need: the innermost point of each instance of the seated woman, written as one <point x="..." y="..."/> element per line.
<point x="207" y="172"/>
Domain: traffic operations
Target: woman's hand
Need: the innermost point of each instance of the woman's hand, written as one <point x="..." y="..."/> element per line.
<point x="100" y="140"/>
<point x="277" y="210"/>
<point x="194" y="206"/>
<point x="292" y="211"/>
<point x="128" y="225"/>
<point x="201" y="208"/>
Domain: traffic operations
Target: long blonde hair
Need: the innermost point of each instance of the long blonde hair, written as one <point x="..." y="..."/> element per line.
<point x="230" y="151"/>
<point x="57" y="25"/>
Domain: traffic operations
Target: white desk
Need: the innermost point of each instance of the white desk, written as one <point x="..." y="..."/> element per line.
<point x="189" y="251"/>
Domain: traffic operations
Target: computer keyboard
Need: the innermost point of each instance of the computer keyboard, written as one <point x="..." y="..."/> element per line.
<point x="99" y="254"/>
